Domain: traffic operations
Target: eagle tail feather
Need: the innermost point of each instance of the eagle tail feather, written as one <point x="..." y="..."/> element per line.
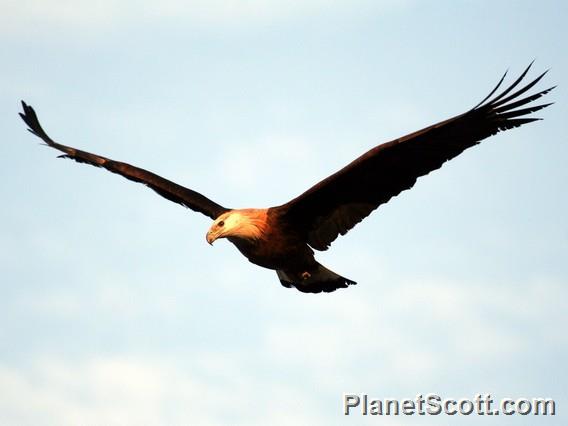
<point x="316" y="280"/>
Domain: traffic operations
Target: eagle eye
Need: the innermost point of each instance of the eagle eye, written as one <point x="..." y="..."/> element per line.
<point x="220" y="224"/>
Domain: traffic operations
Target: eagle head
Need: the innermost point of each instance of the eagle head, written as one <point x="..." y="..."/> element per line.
<point x="246" y="223"/>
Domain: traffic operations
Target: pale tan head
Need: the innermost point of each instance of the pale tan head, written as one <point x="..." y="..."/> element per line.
<point x="245" y="223"/>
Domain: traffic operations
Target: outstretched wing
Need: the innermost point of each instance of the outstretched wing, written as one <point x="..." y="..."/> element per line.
<point x="336" y="204"/>
<point x="167" y="189"/>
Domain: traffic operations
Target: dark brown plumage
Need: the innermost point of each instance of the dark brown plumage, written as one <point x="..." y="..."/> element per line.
<point x="282" y="238"/>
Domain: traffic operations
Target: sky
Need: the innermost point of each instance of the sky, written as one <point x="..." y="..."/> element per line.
<point x="114" y="309"/>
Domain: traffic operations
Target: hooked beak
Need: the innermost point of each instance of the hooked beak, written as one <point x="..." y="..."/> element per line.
<point x="210" y="237"/>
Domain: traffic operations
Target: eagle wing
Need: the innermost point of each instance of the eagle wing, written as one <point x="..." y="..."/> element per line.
<point x="167" y="189"/>
<point x="336" y="204"/>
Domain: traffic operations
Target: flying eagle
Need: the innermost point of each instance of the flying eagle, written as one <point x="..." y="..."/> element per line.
<point x="283" y="238"/>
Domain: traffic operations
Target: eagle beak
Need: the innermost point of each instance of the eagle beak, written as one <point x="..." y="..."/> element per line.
<point x="210" y="237"/>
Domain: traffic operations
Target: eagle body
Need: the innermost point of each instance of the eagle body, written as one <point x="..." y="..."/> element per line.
<point x="283" y="238"/>
<point x="275" y="247"/>
<point x="265" y="238"/>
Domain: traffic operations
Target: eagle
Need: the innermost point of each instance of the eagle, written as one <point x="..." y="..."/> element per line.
<point x="283" y="238"/>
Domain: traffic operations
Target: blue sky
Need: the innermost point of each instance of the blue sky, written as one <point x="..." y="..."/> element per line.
<point x="116" y="311"/>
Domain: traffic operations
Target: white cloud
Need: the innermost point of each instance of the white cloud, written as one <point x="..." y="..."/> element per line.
<point x="347" y="341"/>
<point x="99" y="391"/>
<point x="419" y="330"/>
<point x="116" y="390"/>
<point x="243" y="164"/>
<point x="84" y="15"/>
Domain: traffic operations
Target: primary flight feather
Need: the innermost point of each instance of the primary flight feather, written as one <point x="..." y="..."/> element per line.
<point x="283" y="237"/>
